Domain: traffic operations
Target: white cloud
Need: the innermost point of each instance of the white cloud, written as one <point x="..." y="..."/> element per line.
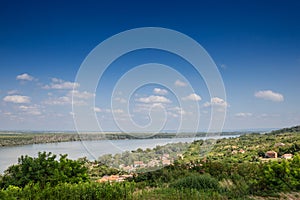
<point x="118" y="111"/>
<point x="269" y="95"/>
<point x="178" y="110"/>
<point x="192" y="97"/>
<point x="154" y="99"/>
<point x="79" y="98"/>
<point x="24" y="77"/>
<point x="160" y="91"/>
<point x="120" y="100"/>
<point x="157" y="105"/>
<point x="268" y="116"/>
<point x="7" y="113"/>
<point x="17" y="99"/>
<point x="61" y="84"/>
<point x="216" y="101"/>
<point x="81" y="95"/>
<point x="242" y="114"/>
<point x="115" y="111"/>
<point x="173" y="115"/>
<point x="97" y="109"/>
<point x="180" y="83"/>
<point x="31" y="110"/>
<point x="146" y="107"/>
<point x="59" y="101"/>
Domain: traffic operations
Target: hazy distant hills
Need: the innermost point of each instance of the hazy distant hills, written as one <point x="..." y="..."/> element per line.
<point x="289" y="130"/>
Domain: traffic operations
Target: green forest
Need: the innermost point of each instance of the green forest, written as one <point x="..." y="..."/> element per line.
<point x="252" y="166"/>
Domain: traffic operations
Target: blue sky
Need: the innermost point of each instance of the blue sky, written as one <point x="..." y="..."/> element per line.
<point x="255" y="45"/>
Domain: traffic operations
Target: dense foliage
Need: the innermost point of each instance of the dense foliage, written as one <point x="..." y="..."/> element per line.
<point x="283" y="176"/>
<point x="199" y="182"/>
<point x="44" y="169"/>
<point x="235" y="168"/>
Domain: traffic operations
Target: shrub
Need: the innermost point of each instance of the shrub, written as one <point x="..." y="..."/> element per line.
<point x="198" y="182"/>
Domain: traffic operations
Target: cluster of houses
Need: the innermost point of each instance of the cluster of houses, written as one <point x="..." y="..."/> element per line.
<point x="238" y="151"/>
<point x="113" y="178"/>
<point x="273" y="154"/>
<point x="268" y="154"/>
<point x="235" y="150"/>
<point x="162" y="161"/>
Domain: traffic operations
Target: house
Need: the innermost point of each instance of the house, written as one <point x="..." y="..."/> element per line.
<point x="165" y="156"/>
<point x="166" y="162"/>
<point x="271" y="154"/>
<point x="103" y="179"/>
<point x="121" y="178"/>
<point x="126" y="176"/>
<point x="280" y="144"/>
<point x="113" y="178"/>
<point x="128" y="168"/>
<point x="153" y="163"/>
<point x="234" y="152"/>
<point x="138" y="164"/>
<point x="242" y="151"/>
<point x="287" y="156"/>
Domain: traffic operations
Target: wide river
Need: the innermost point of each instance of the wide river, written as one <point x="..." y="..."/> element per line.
<point x="90" y="149"/>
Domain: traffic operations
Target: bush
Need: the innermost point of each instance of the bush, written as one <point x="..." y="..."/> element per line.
<point x="199" y="182"/>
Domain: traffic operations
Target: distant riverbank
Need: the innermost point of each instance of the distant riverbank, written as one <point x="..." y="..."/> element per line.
<point x="25" y="138"/>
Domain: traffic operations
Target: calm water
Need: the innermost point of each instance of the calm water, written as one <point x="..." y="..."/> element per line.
<point x="90" y="149"/>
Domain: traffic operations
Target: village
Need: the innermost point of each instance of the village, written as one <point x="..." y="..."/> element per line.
<point x="166" y="160"/>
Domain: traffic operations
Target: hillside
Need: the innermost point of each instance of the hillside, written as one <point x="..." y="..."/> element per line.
<point x="232" y="168"/>
<point x="287" y="130"/>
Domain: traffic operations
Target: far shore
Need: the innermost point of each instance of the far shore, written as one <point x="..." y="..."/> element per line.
<point x="10" y="138"/>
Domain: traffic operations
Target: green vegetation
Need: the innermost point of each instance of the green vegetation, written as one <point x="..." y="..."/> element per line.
<point x="70" y="191"/>
<point x="24" y="138"/>
<point x="44" y="170"/>
<point x="13" y="139"/>
<point x="199" y="182"/>
<point x="234" y="168"/>
<point x="294" y="129"/>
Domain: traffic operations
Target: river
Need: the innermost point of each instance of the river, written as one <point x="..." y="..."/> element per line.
<point x="90" y="149"/>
